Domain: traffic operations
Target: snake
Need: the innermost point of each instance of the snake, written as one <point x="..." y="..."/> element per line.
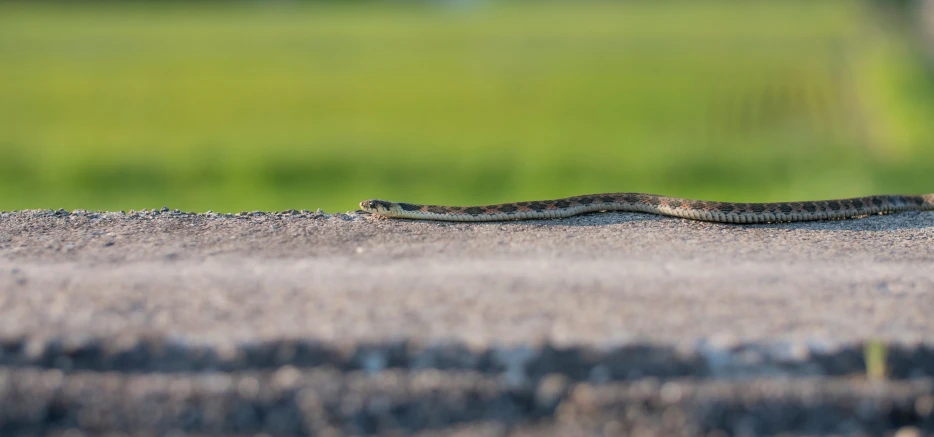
<point x="710" y="211"/>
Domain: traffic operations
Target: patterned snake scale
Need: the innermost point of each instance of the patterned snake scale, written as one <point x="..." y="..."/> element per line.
<point x="723" y="212"/>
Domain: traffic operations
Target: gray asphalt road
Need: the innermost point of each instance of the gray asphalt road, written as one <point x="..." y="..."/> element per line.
<point x="605" y="324"/>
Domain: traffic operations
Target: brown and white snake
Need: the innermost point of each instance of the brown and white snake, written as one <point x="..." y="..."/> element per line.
<point x="724" y="212"/>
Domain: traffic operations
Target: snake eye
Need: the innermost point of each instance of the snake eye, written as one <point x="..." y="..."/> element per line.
<point x="375" y="205"/>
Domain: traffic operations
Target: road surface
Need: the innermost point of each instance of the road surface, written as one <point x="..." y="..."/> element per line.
<point x="299" y="323"/>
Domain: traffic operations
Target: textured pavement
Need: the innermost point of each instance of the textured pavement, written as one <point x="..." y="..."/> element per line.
<point x="300" y="323"/>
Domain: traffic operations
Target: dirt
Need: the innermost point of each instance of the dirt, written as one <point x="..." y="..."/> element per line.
<point x="299" y="323"/>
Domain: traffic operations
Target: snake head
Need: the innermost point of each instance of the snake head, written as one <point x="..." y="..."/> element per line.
<point x="376" y="206"/>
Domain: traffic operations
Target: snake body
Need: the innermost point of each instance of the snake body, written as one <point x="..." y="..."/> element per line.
<point x="723" y="212"/>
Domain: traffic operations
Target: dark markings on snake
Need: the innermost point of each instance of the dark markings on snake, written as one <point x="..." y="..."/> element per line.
<point x="695" y="209"/>
<point x="378" y="203"/>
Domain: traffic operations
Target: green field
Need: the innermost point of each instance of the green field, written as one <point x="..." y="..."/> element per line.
<point x="247" y="106"/>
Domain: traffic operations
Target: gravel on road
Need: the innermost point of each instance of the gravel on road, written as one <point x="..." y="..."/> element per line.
<point x="306" y="323"/>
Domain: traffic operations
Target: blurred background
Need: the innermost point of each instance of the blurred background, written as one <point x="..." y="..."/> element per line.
<point x="274" y="105"/>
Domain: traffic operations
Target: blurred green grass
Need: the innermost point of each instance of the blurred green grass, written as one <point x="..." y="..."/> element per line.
<point x="243" y="106"/>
